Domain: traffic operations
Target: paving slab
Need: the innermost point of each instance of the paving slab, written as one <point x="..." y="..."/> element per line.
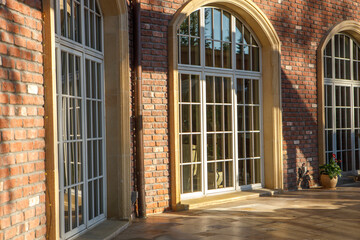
<point x="305" y="214"/>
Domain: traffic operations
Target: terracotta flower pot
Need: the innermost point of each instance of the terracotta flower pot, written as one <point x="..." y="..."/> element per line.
<point x="328" y="183"/>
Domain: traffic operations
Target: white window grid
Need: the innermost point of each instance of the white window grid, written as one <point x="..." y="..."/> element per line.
<point x="341" y="79"/>
<point x="233" y="73"/>
<point x="70" y="45"/>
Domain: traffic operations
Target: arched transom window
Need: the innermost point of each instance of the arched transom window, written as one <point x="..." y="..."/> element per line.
<point x="342" y="101"/>
<point x="80" y="111"/>
<point x="220" y="104"/>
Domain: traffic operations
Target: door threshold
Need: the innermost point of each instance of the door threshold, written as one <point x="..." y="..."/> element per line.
<point x="225" y="198"/>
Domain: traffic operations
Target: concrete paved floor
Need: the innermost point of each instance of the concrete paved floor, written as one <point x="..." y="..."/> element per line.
<point x="307" y="214"/>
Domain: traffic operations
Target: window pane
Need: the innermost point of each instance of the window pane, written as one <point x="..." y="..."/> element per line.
<point x="184" y="41"/>
<point x="255" y="59"/>
<point x="186" y="178"/>
<point x="210" y="147"/>
<point x="195" y="88"/>
<point x="227" y="55"/>
<point x="185" y="88"/>
<point x="194" y="23"/>
<point x="210" y="118"/>
<point x="239" y="57"/>
<point x="196" y="148"/>
<point x="217" y="24"/>
<point x="184" y="27"/>
<point x="238" y="32"/>
<point x="196" y="118"/>
<point x="217" y="53"/>
<point x="195" y="51"/>
<point x="186" y="148"/>
<point x="208" y="23"/>
<point x="185" y="114"/>
<point x="226" y="27"/>
<point x="209" y="53"/>
<point x="197" y="177"/>
<point x="209" y="89"/>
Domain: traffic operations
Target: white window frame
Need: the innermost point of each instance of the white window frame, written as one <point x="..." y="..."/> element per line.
<point x="84" y="52"/>
<point x="334" y="82"/>
<point x="232" y="73"/>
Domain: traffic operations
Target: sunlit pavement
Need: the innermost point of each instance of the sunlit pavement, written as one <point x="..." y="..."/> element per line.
<point x="306" y="214"/>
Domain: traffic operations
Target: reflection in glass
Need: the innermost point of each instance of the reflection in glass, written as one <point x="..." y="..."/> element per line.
<point x="208" y="23"/>
<point x="195" y="118"/>
<point x="67" y="205"/>
<point x="211" y="175"/>
<point x="184" y="46"/>
<point x="196" y="177"/>
<point x="186" y="148"/>
<point x="226" y="27"/>
<point x="195" y="51"/>
<point x="196" y="148"/>
<point x="210" y="147"/>
<point x="194" y="23"/>
<point x="195" y="89"/>
<point x="217" y="27"/>
<point x="217" y="53"/>
<point x="185" y="116"/>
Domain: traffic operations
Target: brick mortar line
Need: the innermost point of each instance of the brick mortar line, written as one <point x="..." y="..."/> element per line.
<point x="23" y="14"/>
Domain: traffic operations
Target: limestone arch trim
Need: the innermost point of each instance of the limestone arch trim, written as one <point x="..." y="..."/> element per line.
<point x="353" y="29"/>
<point x="117" y="108"/>
<point x="271" y="77"/>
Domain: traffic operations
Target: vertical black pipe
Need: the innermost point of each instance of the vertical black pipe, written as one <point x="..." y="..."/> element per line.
<point x="140" y="181"/>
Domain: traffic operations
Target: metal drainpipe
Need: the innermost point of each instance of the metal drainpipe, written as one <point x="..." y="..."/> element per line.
<point x="140" y="181"/>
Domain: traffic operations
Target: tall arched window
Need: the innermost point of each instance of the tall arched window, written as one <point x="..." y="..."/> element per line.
<point x="342" y="100"/>
<point x="219" y="104"/>
<point x="80" y="111"/>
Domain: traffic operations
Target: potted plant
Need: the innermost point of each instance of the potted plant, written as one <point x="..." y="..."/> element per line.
<point x="329" y="173"/>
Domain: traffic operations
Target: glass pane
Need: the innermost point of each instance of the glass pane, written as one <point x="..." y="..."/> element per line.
<point x="241" y="149"/>
<point x="218" y="90"/>
<point x="89" y="159"/>
<point x="217" y="25"/>
<point x="96" y="198"/>
<point x="77" y="22"/>
<point x="255" y="88"/>
<point x="64" y="80"/>
<point x="239" y="92"/>
<point x="90" y="200"/>
<point x="248" y="144"/>
<point x="228" y="118"/>
<point x="98" y="34"/>
<point x="101" y="196"/>
<point x="185" y="115"/>
<point x="196" y="177"/>
<point x="186" y="148"/>
<point x="347" y="47"/>
<point x="240" y="118"/>
<point x="228" y="146"/>
<point x="79" y="162"/>
<point x="227" y="55"/>
<point x="71" y="75"/>
<point x="100" y="147"/>
<point x="328" y="68"/>
<point x="77" y="76"/>
<point x="208" y="23"/>
<point x="219" y="118"/>
<point x="184" y="50"/>
<point x="209" y="53"/>
<point x="186" y="178"/>
<point x="226" y="27"/>
<point x="238" y="32"/>
<point x="196" y="148"/>
<point x="80" y="204"/>
<point x="247" y="90"/>
<point x="72" y="162"/>
<point x="246" y="36"/>
<point x="257" y="171"/>
<point x="73" y="207"/>
<point x="195" y="88"/>
<point x="247" y="58"/>
<point x="242" y="173"/>
<point x="211" y="175"/>
<point x="89" y="119"/>
<point x="87" y="26"/>
<point x="255" y="59"/>
<point x="210" y="118"/>
<point x="185" y="88"/>
<point x="62" y="17"/>
<point x="99" y="78"/>
<point x="88" y="78"/>
<point x="66" y="164"/>
<point x="256" y="118"/>
<point x="92" y="30"/>
<point x="227" y="90"/>
<point x="328" y="49"/>
<point x="195" y="51"/>
<point x="196" y="118"/>
<point x="229" y="182"/>
<point x="239" y="57"/>
<point x="67" y="205"/>
<point x="94" y="79"/>
<point x="210" y="147"/>
<point x="194" y="23"/>
<point x="69" y="20"/>
<point x="219" y="146"/>
<point x="256" y="144"/>
<point x="209" y="89"/>
<point x="217" y="53"/>
<point x="220" y="174"/>
<point x="184" y="27"/>
<point x="249" y="172"/>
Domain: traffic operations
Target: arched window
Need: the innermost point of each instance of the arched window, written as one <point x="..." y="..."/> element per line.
<point x="80" y="111"/>
<point x="220" y="91"/>
<point x="342" y="100"/>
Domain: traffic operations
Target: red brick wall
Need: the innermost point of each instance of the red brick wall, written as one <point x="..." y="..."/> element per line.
<point x="300" y="25"/>
<point x="22" y="158"/>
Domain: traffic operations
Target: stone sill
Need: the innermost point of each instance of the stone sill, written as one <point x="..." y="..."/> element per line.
<point x="225" y="198"/>
<point x="104" y="231"/>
